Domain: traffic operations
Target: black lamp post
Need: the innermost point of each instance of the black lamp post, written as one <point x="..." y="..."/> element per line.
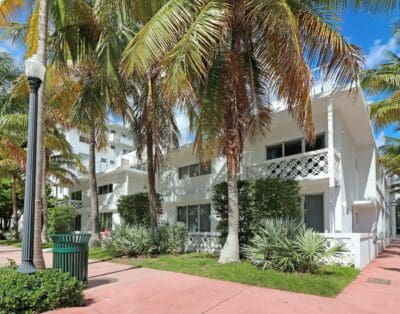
<point x="35" y="71"/>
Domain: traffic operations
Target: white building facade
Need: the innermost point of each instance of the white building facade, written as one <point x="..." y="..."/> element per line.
<point x="344" y="189"/>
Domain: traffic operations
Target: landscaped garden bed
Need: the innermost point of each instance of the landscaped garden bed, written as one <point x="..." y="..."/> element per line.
<point x="328" y="281"/>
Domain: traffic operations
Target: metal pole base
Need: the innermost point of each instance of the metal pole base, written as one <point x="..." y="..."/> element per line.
<point x="27" y="267"/>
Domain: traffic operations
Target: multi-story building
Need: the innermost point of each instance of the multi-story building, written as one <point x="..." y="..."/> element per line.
<point x="344" y="188"/>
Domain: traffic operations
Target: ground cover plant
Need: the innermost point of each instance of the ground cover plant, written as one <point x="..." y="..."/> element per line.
<point x="42" y="291"/>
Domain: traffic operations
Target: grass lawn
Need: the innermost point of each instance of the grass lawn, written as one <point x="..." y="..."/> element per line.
<point x="99" y="254"/>
<point x="18" y="243"/>
<point x="329" y="281"/>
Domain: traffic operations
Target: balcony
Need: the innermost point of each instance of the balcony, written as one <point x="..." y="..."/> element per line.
<point x="72" y="203"/>
<point x="310" y="165"/>
<point x="119" y="139"/>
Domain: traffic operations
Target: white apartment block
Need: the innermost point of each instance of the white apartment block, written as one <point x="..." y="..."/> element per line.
<point x="344" y="189"/>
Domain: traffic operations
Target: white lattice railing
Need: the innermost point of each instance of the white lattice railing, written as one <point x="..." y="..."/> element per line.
<point x="73" y="203"/>
<point x="308" y="165"/>
<point x="338" y="166"/>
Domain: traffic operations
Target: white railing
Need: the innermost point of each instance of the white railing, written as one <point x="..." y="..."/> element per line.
<point x="302" y="166"/>
<point x="116" y="138"/>
<point x="338" y="166"/>
<point x="73" y="203"/>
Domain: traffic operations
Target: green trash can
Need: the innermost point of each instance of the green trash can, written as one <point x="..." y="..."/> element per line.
<point x="71" y="254"/>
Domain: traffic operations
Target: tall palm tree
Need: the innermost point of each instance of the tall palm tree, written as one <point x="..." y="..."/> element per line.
<point x="391" y="155"/>
<point x="226" y="57"/>
<point x="155" y="131"/>
<point x="385" y="80"/>
<point x="93" y="85"/>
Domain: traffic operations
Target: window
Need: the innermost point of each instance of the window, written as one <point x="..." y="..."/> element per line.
<point x="112" y="147"/>
<point x="105" y="221"/>
<point x="124" y="151"/>
<point x="76" y="196"/>
<point x="84" y="139"/>
<point x="196" y="217"/>
<point x="314" y="212"/>
<point x="113" y="132"/>
<point x="78" y="223"/>
<point x="294" y="147"/>
<point x="183" y="172"/>
<point x="112" y="162"/>
<point x="105" y="189"/>
<point x="274" y="151"/>
<point x="103" y="160"/>
<point x="205" y="167"/>
<point x="195" y="170"/>
<point x="123" y="135"/>
<point x="319" y="143"/>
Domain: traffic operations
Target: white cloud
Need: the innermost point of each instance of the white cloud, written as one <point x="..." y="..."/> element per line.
<point x="378" y="52"/>
<point x="380" y="138"/>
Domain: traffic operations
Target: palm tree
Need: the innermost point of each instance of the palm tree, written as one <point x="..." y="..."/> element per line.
<point x="155" y="131"/>
<point x="92" y="87"/>
<point x="224" y="58"/>
<point x="391" y="155"/>
<point x="385" y="80"/>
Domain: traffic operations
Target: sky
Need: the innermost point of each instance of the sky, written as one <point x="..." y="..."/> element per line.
<point x="372" y="33"/>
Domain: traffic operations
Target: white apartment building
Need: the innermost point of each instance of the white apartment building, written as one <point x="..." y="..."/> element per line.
<point x="344" y="188"/>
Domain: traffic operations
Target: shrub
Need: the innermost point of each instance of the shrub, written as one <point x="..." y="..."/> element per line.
<point x="135" y="209"/>
<point x="62" y="219"/>
<point x="39" y="292"/>
<point x="258" y="199"/>
<point x="287" y="245"/>
<point x="137" y="240"/>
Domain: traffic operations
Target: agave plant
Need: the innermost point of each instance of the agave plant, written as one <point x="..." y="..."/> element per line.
<point x="287" y="245"/>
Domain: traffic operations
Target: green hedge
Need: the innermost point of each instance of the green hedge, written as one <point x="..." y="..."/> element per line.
<point x="258" y="199"/>
<point x="39" y="292"/>
<point x="135" y="209"/>
<point x="62" y="219"/>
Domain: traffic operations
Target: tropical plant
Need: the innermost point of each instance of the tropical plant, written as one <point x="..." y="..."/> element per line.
<point x="391" y="155"/>
<point x="136" y="240"/>
<point x="385" y="80"/>
<point x="227" y="60"/>
<point x="258" y="199"/>
<point x="286" y="245"/>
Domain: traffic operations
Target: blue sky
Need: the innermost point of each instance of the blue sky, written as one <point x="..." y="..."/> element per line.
<point x="373" y="33"/>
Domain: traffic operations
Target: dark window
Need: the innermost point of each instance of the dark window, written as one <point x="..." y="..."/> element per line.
<point x="183" y="172"/>
<point x="105" y="221"/>
<point x="193" y="218"/>
<point x="83" y="139"/>
<point x="293" y="148"/>
<point x="112" y="147"/>
<point x="194" y="170"/>
<point x="274" y="151"/>
<point x="112" y="162"/>
<point x="205" y="218"/>
<point x="124" y="151"/>
<point x="314" y="212"/>
<point x="205" y="167"/>
<point x="113" y="132"/>
<point x="78" y="223"/>
<point x="103" y="160"/>
<point x="196" y="217"/>
<point x="105" y="189"/>
<point x="182" y="214"/>
<point x="76" y="196"/>
<point x="319" y="143"/>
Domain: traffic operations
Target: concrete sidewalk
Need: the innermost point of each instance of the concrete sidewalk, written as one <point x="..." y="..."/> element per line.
<point x="116" y="288"/>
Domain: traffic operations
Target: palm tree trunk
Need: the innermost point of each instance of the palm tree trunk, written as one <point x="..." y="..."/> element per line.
<point x="150" y="153"/>
<point x="14" y="206"/>
<point x="151" y="176"/>
<point x="94" y="199"/>
<point x="45" y="229"/>
<point x="42" y="52"/>
<point x="230" y="251"/>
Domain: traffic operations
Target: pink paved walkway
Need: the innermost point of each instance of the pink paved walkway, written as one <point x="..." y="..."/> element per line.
<point x="115" y="288"/>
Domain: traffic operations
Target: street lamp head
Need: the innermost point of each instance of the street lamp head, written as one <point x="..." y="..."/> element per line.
<point x="35" y="68"/>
